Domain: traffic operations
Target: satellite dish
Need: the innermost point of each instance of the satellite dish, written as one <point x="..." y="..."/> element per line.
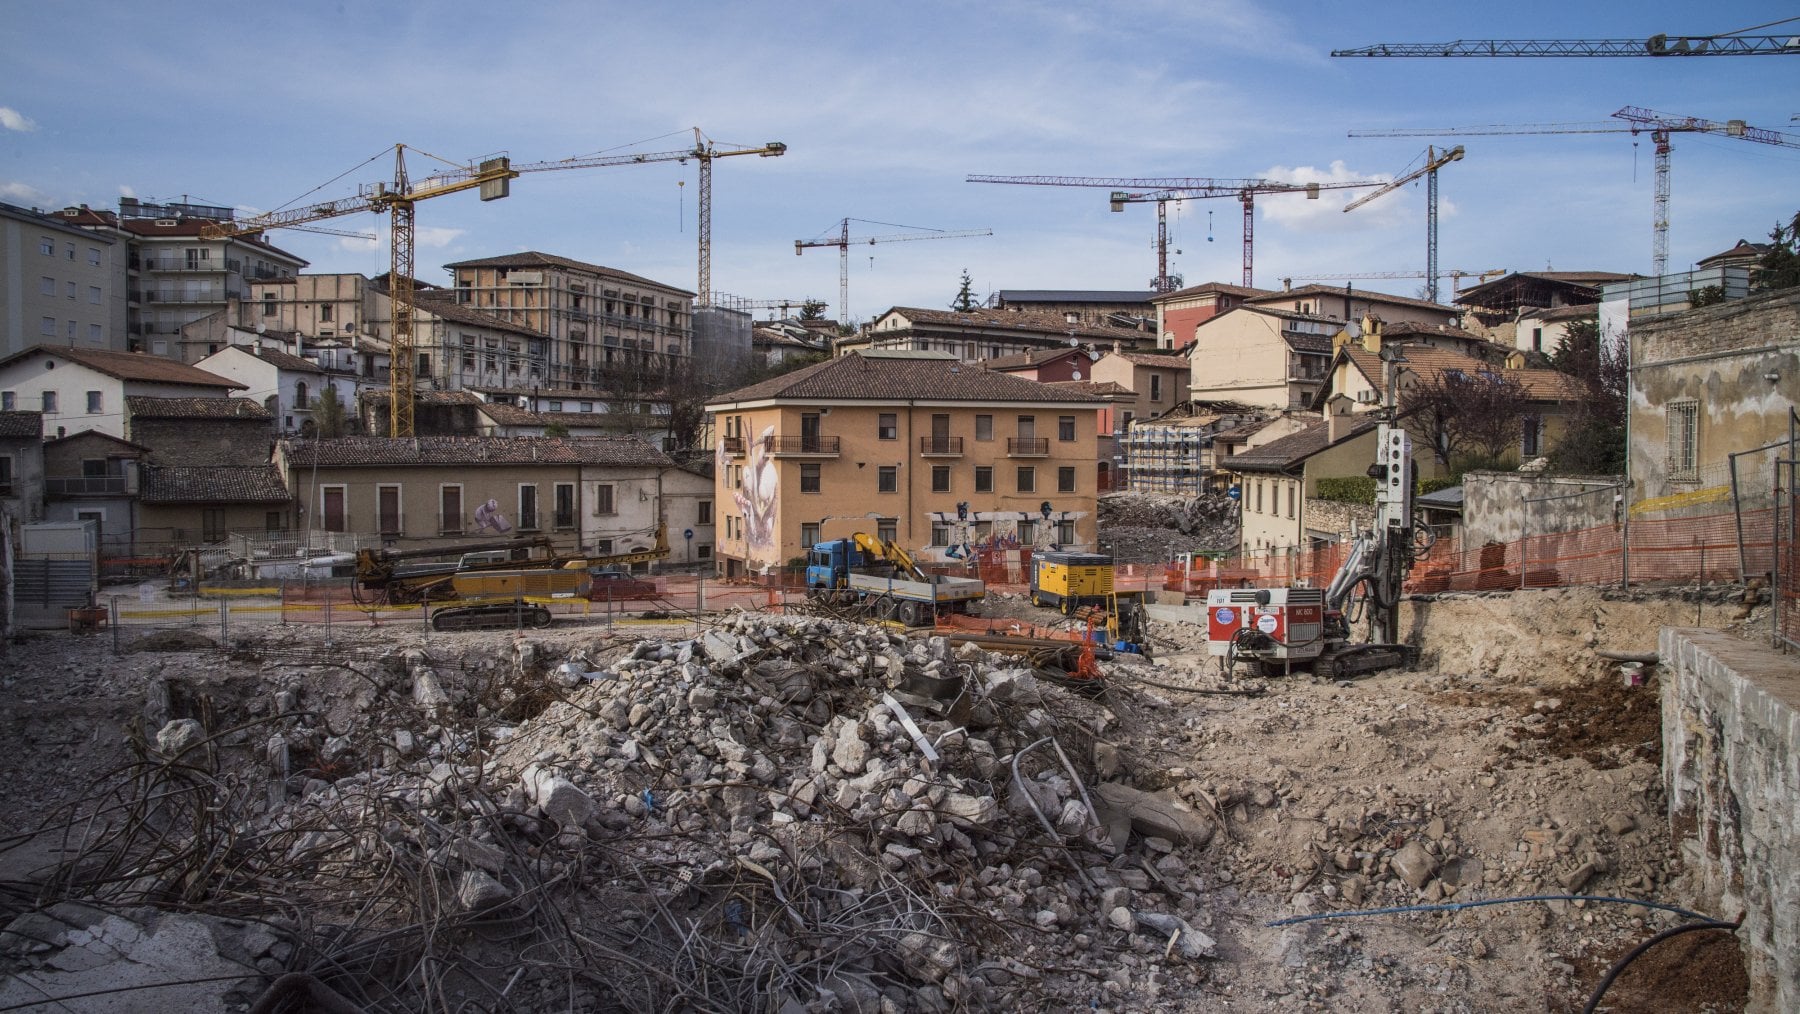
<point x="1075" y="374"/>
<point x="1353" y="329"/>
<point x="259" y="327"/>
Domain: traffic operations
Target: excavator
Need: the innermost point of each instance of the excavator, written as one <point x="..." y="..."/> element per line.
<point x="488" y="586"/>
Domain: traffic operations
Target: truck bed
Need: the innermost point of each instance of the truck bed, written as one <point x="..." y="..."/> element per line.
<point x="941" y="588"/>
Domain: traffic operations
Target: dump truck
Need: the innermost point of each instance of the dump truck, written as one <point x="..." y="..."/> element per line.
<point x="884" y="581"/>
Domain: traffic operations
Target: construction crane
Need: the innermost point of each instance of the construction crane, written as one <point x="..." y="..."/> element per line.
<point x="703" y="152"/>
<point x="1638" y="120"/>
<point x="1163" y="282"/>
<point x="1183" y="188"/>
<point x="398" y="198"/>
<point x="1655" y="45"/>
<point x="492" y="176"/>
<point x="1433" y="162"/>
<point x="731" y="302"/>
<point x="844" y="239"/>
<point x="1455" y="275"/>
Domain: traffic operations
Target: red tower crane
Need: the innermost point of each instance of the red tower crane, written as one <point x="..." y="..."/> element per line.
<point x="1183" y="188"/>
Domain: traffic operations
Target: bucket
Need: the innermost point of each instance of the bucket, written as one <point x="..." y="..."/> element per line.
<point x="1632" y="673"/>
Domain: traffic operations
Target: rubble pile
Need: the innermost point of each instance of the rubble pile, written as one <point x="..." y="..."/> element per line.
<point x="1152" y="527"/>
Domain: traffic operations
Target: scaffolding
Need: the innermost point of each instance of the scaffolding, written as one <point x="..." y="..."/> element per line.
<point x="1175" y="455"/>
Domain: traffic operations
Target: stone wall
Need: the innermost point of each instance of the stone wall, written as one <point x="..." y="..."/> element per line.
<point x="1344" y="519"/>
<point x="205" y="441"/>
<point x="1507" y="506"/>
<point x="1731" y="737"/>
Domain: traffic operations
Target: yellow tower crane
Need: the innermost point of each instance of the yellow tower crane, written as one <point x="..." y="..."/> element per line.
<point x="493" y="177"/>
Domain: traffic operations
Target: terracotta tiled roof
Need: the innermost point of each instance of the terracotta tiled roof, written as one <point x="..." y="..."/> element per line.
<point x="1316" y="292"/>
<point x="1223" y="288"/>
<point x="131" y="366"/>
<point x="22" y="424"/>
<point x="1292" y="450"/>
<point x="145" y="407"/>
<point x="442" y="303"/>
<point x="1039" y="322"/>
<point x="1035" y="357"/>
<point x="213" y="484"/>
<point x="1430" y="363"/>
<point x="871" y="378"/>
<point x="1125" y="296"/>
<point x="379" y="452"/>
<point x="149" y="228"/>
<point x="1407" y="328"/>
<point x="1101" y="388"/>
<point x="509" y="415"/>
<point x="534" y="259"/>
<point x="1169" y="362"/>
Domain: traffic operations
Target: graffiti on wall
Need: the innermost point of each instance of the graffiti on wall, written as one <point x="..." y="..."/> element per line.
<point x="973" y="532"/>
<point x="488" y="518"/>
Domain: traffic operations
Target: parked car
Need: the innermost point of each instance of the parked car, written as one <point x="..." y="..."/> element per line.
<point x="615" y="585"/>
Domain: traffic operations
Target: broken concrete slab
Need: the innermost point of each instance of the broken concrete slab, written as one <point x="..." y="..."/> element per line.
<point x="1160" y="814"/>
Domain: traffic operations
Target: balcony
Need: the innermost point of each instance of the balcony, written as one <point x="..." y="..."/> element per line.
<point x="564" y="519"/>
<point x="450" y="524"/>
<point x="803" y="446"/>
<point x="90" y="485"/>
<point x="390" y="524"/>
<point x="182" y="264"/>
<point x="940" y="447"/>
<point x="734" y="446"/>
<point x="1027" y="447"/>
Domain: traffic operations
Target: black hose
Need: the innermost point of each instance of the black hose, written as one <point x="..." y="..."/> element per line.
<point x="1632" y="955"/>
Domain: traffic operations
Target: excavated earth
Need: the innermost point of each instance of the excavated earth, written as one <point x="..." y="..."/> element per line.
<point x="735" y="817"/>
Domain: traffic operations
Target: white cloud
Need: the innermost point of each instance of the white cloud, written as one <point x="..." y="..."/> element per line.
<point x="1297" y="211"/>
<point x="12" y="119"/>
<point x="127" y="190"/>
<point x="435" y="236"/>
<point x="24" y="193"/>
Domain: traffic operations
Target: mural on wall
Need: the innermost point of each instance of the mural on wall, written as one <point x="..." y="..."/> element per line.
<point x="758" y="494"/>
<point x="489" y="519"/>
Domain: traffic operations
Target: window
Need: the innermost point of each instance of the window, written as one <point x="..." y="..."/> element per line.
<point x="94" y="402"/>
<point x="324" y="313"/>
<point x="887" y="426"/>
<point x="46" y="286"/>
<point x="940" y="535"/>
<point x="603" y="500"/>
<point x="1537" y="339"/>
<point x="72" y="289"/>
<point x="1027" y="479"/>
<point x="47" y="247"/>
<point x="47" y="326"/>
<point x="93" y="255"/>
<point x="984" y="427"/>
<point x="387" y="510"/>
<point x="528" y="507"/>
<point x="272" y="521"/>
<point x="887" y="529"/>
<point x="809" y="534"/>
<point x="268" y="306"/>
<point x="1028" y="427"/>
<point x="1065" y="479"/>
<point x="703" y="512"/>
<point x="703" y="551"/>
<point x="1155" y="387"/>
<point x="984" y="478"/>
<point x="565" y="505"/>
<point x="7" y="401"/>
<point x="95" y="468"/>
<point x="809" y="479"/>
<point x="450" y="515"/>
<point x="940" y="478"/>
<point x="1065" y="532"/>
<point x="1293" y="493"/>
<point x="1532" y="443"/>
<point x="49" y="402"/>
<point x="6" y="475"/>
<point x="887" y="479"/>
<point x="331" y="508"/>
<point x="212" y="524"/>
<point x="1684" y="441"/>
<point x="1065" y="427"/>
<point x="300" y="394"/>
<point x="95" y="334"/>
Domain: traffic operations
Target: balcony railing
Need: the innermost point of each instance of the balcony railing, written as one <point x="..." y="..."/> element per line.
<point x="564" y="519"/>
<point x="451" y="524"/>
<point x="528" y="521"/>
<point x="181" y="264"/>
<point x="941" y="447"/>
<point x="821" y="446"/>
<point x="90" y="485"/>
<point x="734" y="446"/>
<point x="1028" y="447"/>
<point x="390" y="524"/>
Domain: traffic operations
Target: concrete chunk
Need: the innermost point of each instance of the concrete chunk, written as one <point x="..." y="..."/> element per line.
<point x="1155" y="814"/>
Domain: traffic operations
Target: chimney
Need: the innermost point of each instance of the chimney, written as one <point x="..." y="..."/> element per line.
<point x="1287" y="285"/>
<point x="1371" y="329"/>
<point x="1337" y="417"/>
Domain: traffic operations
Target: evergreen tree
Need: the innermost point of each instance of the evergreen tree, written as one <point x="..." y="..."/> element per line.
<point x="965" y="297"/>
<point x="1779" y="268"/>
<point x="329" y="416"/>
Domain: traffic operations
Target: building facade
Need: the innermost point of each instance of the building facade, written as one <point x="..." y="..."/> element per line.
<point x="591" y="316"/>
<point x="85" y="389"/>
<point x="1178" y="313"/>
<point x="892" y="446"/>
<point x="59" y="284"/>
<point x="984" y="334"/>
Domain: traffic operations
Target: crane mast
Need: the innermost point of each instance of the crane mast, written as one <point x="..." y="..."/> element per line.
<point x="1433" y="162"/>
<point x="1637" y="120"/>
<point x="1181" y="188"/>
<point x="843" y="241"/>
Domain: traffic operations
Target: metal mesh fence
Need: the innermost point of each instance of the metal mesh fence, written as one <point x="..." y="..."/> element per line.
<point x="1785" y="563"/>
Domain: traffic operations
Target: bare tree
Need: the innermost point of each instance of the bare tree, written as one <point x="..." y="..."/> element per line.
<point x="1469" y="418"/>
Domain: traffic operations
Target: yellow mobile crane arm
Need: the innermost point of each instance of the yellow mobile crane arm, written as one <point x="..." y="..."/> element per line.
<point x="892" y="552"/>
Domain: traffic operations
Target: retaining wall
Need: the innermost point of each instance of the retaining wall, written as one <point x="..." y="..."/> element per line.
<point x="1731" y="765"/>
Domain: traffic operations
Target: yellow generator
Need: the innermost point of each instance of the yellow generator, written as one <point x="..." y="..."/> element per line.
<point x="1069" y="580"/>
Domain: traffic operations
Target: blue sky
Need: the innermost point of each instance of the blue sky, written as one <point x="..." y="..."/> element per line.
<point x="885" y="109"/>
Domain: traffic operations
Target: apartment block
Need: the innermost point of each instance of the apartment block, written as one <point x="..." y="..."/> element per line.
<point x="915" y="447"/>
<point x="589" y="316"/>
<point x="59" y="284"/>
